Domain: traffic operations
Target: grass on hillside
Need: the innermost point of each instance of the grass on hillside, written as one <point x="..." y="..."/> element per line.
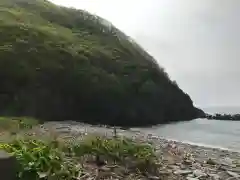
<point x="15" y="124"/>
<point x="59" y="63"/>
<point x="92" y="157"/>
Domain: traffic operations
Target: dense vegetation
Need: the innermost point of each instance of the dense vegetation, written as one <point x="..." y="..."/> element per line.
<point x="58" y="63"/>
<point x="41" y="159"/>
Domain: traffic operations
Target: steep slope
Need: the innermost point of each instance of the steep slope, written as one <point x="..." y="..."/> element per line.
<point x="58" y="63"/>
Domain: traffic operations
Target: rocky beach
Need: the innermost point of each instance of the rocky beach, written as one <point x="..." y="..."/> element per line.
<point x="179" y="160"/>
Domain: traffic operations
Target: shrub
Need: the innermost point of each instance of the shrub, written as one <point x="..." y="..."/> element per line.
<point x="15" y="124"/>
<point x="56" y="160"/>
<point x="118" y="150"/>
<point x="41" y="160"/>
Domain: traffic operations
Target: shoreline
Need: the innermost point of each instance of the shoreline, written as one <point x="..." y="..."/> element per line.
<point x="206" y="146"/>
<point x="85" y="128"/>
<point x="179" y="160"/>
<point x="133" y="131"/>
<point x="75" y="128"/>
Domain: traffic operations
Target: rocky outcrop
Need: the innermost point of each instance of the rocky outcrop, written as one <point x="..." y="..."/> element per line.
<point x="218" y="116"/>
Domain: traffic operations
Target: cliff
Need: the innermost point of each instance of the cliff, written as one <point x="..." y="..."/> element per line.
<point x="58" y="63"/>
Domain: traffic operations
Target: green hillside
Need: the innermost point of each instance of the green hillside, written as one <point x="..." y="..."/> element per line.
<point x="58" y="63"/>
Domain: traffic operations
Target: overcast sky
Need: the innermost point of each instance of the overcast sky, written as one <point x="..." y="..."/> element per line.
<point x="196" y="41"/>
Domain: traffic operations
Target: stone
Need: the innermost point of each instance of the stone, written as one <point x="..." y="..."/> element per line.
<point x="174" y="167"/>
<point x="237" y="170"/>
<point x="105" y="169"/>
<point x="154" y="178"/>
<point x="237" y="162"/>
<point x="215" y="176"/>
<point x="8" y="166"/>
<point x="42" y="175"/>
<point x="182" y="166"/>
<point x="227" y="162"/>
<point x="187" y="162"/>
<point x="182" y="172"/>
<point x="165" y="172"/>
<point x="196" y="166"/>
<point x="233" y="174"/>
<point x="211" y="161"/>
<point x="199" y="173"/>
<point x="190" y="178"/>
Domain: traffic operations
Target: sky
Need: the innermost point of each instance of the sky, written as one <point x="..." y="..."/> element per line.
<point x="196" y="41"/>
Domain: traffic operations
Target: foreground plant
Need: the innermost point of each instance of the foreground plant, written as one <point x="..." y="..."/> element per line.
<point x="118" y="150"/>
<point x="58" y="160"/>
<point x="41" y="160"/>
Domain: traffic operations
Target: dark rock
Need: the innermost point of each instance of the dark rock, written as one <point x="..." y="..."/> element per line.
<point x="8" y="166"/>
<point x="218" y="116"/>
<point x="211" y="161"/>
<point x="187" y="162"/>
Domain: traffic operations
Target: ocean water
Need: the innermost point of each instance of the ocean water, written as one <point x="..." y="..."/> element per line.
<point x="212" y="133"/>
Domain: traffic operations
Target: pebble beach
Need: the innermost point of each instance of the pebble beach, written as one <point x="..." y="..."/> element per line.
<point x="179" y="160"/>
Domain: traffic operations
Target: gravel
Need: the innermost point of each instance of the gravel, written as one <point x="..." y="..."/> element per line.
<point x="179" y="160"/>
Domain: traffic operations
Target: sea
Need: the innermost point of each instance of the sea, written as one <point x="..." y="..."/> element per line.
<point x="210" y="133"/>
